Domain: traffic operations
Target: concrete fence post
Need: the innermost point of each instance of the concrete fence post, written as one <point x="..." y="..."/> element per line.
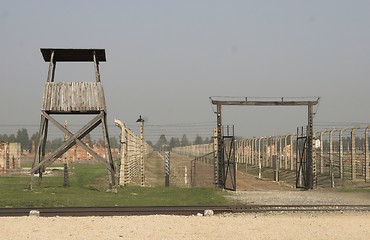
<point x="353" y="153"/>
<point x="259" y="158"/>
<point x="247" y="151"/>
<point x="367" y="167"/>
<point x="253" y="151"/>
<point x="280" y="151"/>
<point x="341" y="167"/>
<point x="322" y="151"/>
<point x="286" y="152"/>
<point x="167" y="168"/>
<point x="277" y="159"/>
<point x="314" y="158"/>
<point x="292" y="152"/>
<point x="331" y="172"/>
<point x="123" y="140"/>
<point x="265" y="152"/>
<point x="272" y="150"/>
<point x="141" y="153"/>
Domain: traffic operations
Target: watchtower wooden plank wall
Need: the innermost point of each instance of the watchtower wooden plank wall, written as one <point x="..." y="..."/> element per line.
<point x="73" y="98"/>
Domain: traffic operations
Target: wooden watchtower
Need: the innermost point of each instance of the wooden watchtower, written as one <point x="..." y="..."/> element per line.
<point x="72" y="98"/>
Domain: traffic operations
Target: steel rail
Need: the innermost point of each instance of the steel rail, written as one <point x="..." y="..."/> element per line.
<point x="176" y="210"/>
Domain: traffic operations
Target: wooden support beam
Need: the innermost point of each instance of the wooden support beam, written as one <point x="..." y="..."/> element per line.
<point x="265" y="103"/>
<point x="96" y="64"/>
<point x="109" y="159"/>
<point x="78" y="141"/>
<point x="51" y="68"/>
<point x="68" y="144"/>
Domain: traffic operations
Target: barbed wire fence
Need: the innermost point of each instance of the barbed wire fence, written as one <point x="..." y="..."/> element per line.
<point x="340" y="158"/>
<point x="341" y="153"/>
<point x="133" y="151"/>
<point x="201" y="161"/>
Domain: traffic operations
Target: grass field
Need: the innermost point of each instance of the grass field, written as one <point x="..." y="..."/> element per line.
<point x="88" y="187"/>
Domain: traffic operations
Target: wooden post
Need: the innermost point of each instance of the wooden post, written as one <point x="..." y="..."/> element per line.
<point x="96" y="64"/>
<point x="112" y="168"/>
<point x="65" y="160"/>
<point x="51" y="68"/>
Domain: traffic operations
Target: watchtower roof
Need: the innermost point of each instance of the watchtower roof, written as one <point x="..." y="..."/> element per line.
<point x="73" y="55"/>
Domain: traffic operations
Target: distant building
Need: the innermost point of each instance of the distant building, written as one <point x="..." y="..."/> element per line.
<point x="77" y="153"/>
<point x="10" y="156"/>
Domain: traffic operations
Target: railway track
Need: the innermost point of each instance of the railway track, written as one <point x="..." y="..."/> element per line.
<point x="176" y="210"/>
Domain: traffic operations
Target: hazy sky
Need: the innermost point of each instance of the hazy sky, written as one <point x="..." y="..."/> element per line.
<point x="165" y="58"/>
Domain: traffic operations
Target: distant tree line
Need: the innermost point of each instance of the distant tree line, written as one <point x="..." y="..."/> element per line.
<point x="177" y="142"/>
<point x="23" y="138"/>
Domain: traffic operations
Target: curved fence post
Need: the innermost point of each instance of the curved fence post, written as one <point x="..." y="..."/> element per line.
<point x="322" y="150"/>
<point x="367" y="167"/>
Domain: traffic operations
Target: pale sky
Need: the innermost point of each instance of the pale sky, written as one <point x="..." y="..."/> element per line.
<point x="166" y="58"/>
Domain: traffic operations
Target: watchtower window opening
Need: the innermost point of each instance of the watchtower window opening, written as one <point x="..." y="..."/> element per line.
<point x="53" y="56"/>
<point x="75" y="72"/>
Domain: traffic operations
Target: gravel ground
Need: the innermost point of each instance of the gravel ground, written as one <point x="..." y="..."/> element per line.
<point x="297" y="197"/>
<point x="273" y="225"/>
<point x="237" y="226"/>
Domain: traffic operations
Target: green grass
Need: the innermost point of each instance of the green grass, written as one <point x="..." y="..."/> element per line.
<point x="89" y="188"/>
<point x="360" y="190"/>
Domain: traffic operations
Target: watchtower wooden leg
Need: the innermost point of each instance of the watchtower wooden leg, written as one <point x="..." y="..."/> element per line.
<point x="111" y="169"/>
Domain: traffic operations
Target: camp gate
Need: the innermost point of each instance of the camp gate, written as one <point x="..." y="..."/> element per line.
<point x="225" y="168"/>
